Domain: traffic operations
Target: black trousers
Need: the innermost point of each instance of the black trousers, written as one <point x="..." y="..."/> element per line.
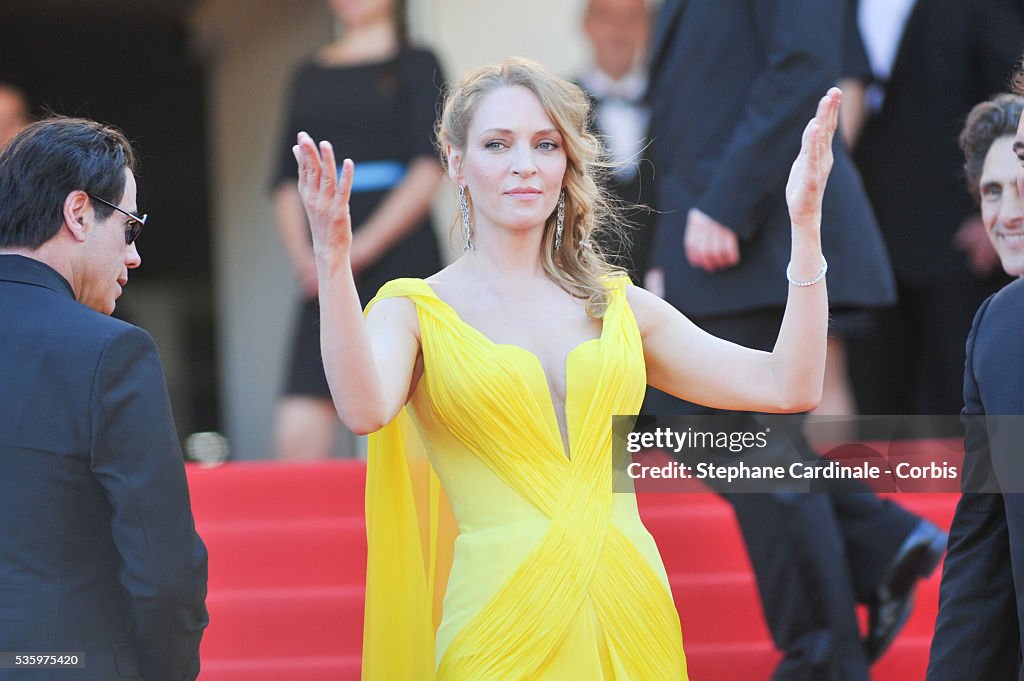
<point x="911" y="358"/>
<point x="815" y="555"/>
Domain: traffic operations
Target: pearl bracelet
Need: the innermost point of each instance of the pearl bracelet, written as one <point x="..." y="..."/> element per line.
<point x="810" y="282"/>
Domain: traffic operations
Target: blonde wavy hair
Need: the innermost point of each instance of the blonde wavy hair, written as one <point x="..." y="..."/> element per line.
<point x="579" y="267"/>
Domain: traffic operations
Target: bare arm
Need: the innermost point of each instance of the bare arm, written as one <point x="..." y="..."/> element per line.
<point x="369" y="363"/>
<point x="689" y="363"/>
<point x="399" y="212"/>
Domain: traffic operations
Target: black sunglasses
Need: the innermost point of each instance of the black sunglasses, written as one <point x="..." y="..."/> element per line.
<point x="134" y="224"/>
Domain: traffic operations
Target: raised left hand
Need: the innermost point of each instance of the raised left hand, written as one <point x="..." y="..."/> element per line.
<point x="807" y="178"/>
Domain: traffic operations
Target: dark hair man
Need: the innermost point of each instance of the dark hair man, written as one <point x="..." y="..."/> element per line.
<point x="98" y="550"/>
<point x="978" y="631"/>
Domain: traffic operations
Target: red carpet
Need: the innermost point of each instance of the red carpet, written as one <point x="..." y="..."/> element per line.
<point x="287" y="562"/>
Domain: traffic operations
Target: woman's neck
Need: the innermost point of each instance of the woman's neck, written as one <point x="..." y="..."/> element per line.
<point x="508" y="253"/>
<point x="375" y="41"/>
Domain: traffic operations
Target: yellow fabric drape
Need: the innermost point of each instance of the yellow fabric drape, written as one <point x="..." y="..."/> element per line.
<point x="409" y="531"/>
<point x="589" y="591"/>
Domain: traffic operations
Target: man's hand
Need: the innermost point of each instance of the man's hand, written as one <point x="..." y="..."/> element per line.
<point x="709" y="244"/>
<point x="654" y="281"/>
<point x="972" y="239"/>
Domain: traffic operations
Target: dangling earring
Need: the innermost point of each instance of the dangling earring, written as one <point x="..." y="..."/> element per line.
<point x="560" y="224"/>
<point x="467" y="229"/>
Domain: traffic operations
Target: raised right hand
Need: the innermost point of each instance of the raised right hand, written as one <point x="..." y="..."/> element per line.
<point x="325" y="196"/>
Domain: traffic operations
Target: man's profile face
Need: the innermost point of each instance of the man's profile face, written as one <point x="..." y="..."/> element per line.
<point x="13" y="114"/>
<point x="1002" y="210"/>
<point x="1018" y="149"/>
<point x="107" y="258"/>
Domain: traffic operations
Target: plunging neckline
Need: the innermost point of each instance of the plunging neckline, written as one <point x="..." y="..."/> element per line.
<point x="566" y="446"/>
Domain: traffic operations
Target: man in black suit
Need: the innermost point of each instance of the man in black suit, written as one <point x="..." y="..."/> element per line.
<point x="981" y="600"/>
<point x="98" y="550"/>
<point x="732" y="83"/>
<point x="931" y="61"/>
<point x="616" y="82"/>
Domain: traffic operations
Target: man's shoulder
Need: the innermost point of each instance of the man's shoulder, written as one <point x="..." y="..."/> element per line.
<point x="77" y="326"/>
<point x="1000" y="317"/>
<point x="1014" y="291"/>
<point x="1007" y="302"/>
<point x="105" y="331"/>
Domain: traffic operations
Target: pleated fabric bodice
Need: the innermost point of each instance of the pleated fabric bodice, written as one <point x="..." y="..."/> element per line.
<point x="549" y="575"/>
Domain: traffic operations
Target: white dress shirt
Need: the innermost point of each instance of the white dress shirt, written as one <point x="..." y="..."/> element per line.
<point x="881" y="24"/>
<point x="621" y="117"/>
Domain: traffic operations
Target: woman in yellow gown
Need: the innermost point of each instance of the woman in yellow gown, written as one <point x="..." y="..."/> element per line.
<point x="497" y="549"/>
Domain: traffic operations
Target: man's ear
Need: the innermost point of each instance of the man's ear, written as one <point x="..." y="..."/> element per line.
<point x="76" y="206"/>
<point x="454" y="163"/>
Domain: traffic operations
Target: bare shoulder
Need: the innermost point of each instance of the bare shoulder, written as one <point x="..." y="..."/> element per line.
<point x="394" y="314"/>
<point x="649" y="310"/>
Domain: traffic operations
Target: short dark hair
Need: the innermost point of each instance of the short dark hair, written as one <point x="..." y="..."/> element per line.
<point x="1017" y="82"/>
<point x="986" y="123"/>
<point x="48" y="160"/>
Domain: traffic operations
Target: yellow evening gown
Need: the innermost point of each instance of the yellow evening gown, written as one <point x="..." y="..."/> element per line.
<point x="492" y="555"/>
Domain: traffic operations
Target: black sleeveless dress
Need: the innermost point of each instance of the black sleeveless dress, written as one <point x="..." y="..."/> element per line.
<point x="381" y="115"/>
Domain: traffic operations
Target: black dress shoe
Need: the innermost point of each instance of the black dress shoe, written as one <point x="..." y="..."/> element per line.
<point x="916" y="558"/>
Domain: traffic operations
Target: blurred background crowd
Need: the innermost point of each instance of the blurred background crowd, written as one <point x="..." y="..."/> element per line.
<point x="211" y="90"/>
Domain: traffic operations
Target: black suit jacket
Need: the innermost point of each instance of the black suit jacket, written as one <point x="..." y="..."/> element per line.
<point x="953" y="54"/>
<point x="98" y="550"/>
<point x="733" y="84"/>
<point x="981" y="600"/>
<point x="629" y="248"/>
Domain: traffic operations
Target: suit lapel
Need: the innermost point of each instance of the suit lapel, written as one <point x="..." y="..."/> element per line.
<point x="667" y="24"/>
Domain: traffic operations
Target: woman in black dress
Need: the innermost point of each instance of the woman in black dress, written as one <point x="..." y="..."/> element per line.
<point x="373" y="95"/>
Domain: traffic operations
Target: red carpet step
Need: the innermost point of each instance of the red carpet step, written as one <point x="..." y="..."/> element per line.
<point x="287" y="566"/>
